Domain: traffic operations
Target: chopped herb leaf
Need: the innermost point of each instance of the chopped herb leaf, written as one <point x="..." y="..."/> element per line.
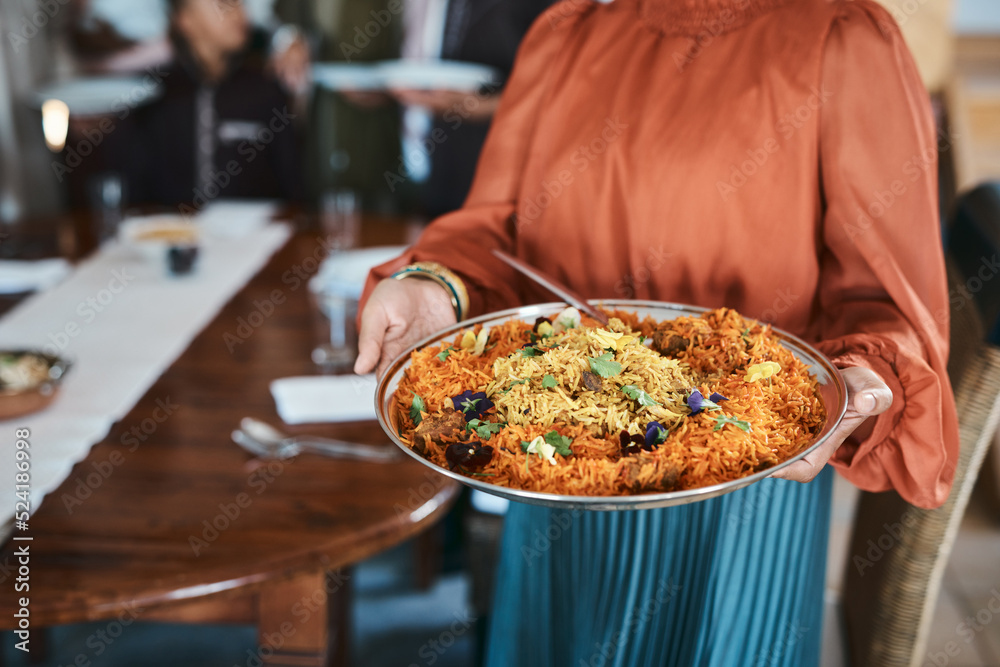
<point x="484" y="430"/>
<point x="548" y="382"/>
<point x="637" y="394"/>
<point x="443" y="354"/>
<point x="722" y="420"/>
<point x="530" y="352"/>
<point x="416" y="407"/>
<point x="604" y="366"/>
<point x="512" y="385"/>
<point x="560" y="442"/>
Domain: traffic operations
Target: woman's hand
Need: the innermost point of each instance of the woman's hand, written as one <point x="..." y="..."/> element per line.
<point x="867" y="396"/>
<point x="398" y="314"/>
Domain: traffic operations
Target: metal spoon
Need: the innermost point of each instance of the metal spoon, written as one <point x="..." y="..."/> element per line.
<point x="552" y="285"/>
<point x="264" y="440"/>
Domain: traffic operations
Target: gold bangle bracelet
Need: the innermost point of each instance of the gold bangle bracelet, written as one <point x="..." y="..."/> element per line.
<point x="444" y="277"/>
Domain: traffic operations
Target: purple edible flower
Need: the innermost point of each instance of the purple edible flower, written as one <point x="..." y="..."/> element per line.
<point x="631" y="444"/>
<point x="656" y="433"/>
<point x="695" y="401"/>
<point x="468" y="455"/>
<point x="472" y="404"/>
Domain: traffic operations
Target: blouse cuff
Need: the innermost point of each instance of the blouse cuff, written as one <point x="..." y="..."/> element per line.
<point x="872" y="463"/>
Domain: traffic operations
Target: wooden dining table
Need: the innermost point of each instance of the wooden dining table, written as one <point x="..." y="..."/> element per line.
<point x="168" y="520"/>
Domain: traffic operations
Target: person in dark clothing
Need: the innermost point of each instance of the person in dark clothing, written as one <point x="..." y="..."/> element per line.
<point x="222" y="128"/>
<point x="487" y="32"/>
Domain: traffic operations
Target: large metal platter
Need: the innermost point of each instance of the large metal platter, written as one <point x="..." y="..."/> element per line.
<point x="833" y="392"/>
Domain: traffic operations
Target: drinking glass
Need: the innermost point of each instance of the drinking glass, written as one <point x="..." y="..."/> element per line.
<point x="340" y="218"/>
<point x="337" y="306"/>
<point x="107" y="204"/>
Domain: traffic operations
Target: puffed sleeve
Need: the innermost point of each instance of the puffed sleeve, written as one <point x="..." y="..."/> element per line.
<point x="462" y="240"/>
<point x="884" y="297"/>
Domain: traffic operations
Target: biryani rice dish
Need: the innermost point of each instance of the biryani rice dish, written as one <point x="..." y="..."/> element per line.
<point x="571" y="407"/>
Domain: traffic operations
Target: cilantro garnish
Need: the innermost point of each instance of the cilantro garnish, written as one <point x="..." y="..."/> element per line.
<point x="443" y="354"/>
<point x="512" y="385"/>
<point x="560" y="442"/>
<point x="637" y="394"/>
<point x="484" y="430"/>
<point x="530" y="352"/>
<point x="416" y="407"/>
<point x="604" y="366"/>
<point x="549" y="382"/>
<point x="469" y="404"/>
<point x="722" y="420"/>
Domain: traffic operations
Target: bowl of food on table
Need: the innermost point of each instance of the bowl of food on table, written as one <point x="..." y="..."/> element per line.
<point x="156" y="237"/>
<point x="665" y="404"/>
<point x="29" y="381"/>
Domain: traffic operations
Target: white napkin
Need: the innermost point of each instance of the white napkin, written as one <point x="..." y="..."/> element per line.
<point x="227" y="218"/>
<point x="325" y="398"/>
<point x="20" y="276"/>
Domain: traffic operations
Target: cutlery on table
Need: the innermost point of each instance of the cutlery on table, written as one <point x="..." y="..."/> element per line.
<point x="265" y="441"/>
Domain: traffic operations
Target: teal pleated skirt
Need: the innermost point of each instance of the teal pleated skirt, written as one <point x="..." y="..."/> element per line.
<point x="733" y="581"/>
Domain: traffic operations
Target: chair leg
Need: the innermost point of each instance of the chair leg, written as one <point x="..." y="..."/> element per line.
<point x="305" y="621"/>
<point x="428" y="557"/>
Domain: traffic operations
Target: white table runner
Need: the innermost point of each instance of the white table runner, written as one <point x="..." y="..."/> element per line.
<point x="122" y="321"/>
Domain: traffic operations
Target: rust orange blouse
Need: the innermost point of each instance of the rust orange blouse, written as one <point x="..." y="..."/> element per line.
<point x="780" y="160"/>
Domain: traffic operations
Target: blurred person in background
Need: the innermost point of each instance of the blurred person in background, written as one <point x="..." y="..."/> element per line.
<point x="121" y="36"/>
<point x="223" y="128"/>
<point x="443" y="131"/>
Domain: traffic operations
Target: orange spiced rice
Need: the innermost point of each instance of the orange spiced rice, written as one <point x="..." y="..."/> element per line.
<point x="573" y="408"/>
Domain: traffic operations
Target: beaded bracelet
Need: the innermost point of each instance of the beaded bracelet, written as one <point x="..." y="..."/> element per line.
<point x="443" y="277"/>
